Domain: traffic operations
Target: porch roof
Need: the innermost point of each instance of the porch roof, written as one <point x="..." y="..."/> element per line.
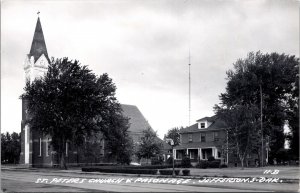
<point x="196" y="145"/>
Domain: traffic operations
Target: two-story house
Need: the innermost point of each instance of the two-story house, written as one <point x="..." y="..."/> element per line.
<point x="204" y="139"/>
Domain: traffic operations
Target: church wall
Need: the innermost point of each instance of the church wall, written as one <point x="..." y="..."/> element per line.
<point x="25" y="156"/>
<point x="22" y="154"/>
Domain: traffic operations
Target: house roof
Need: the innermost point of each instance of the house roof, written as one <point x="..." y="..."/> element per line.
<point x="209" y="119"/>
<point x="217" y="124"/>
<point x="38" y="46"/>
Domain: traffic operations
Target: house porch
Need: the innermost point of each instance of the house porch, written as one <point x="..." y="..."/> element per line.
<point x="197" y="153"/>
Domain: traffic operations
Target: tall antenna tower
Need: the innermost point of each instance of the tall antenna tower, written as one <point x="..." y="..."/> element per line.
<point x="189" y="88"/>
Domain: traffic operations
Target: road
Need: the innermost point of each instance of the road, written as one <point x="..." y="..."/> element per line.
<point x="18" y="181"/>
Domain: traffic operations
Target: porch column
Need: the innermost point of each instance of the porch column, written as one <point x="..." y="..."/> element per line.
<point x="200" y="153"/>
<point x="213" y="152"/>
<point x="216" y="153"/>
<point x="187" y="152"/>
<point x="174" y="153"/>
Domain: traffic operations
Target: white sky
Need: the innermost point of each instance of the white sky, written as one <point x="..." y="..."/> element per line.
<point x="144" y="47"/>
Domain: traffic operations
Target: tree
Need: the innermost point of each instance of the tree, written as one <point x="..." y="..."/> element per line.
<point x="266" y="78"/>
<point x="242" y="130"/>
<point x="10" y="148"/>
<point x="119" y="143"/>
<point x="70" y="103"/>
<point x="293" y="120"/>
<point x="149" y="145"/>
<point x="3" y="147"/>
<point x="174" y="135"/>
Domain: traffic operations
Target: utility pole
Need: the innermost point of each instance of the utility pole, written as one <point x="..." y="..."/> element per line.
<point x="261" y="127"/>
<point x="171" y="142"/>
<point x="227" y="161"/>
<point x="189" y="88"/>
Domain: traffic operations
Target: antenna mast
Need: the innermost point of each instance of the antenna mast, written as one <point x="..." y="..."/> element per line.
<point x="189" y="88"/>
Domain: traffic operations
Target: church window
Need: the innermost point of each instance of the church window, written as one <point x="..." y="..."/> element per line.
<point x="47" y="147"/>
<point x="40" y="143"/>
<point x="67" y="149"/>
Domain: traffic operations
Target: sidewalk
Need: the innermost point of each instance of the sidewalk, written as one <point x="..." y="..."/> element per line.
<point x="287" y="173"/>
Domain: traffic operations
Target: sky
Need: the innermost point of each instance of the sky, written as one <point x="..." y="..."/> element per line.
<point x="144" y="46"/>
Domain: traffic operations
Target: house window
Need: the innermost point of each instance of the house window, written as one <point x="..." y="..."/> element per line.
<point x="202" y="137"/>
<point x="179" y="155"/>
<point x="190" y="138"/>
<point x="202" y="125"/>
<point x="40" y="142"/>
<point x="216" y="136"/>
<point x="192" y="155"/>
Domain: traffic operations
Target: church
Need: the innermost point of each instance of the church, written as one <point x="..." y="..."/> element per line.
<point x="36" y="149"/>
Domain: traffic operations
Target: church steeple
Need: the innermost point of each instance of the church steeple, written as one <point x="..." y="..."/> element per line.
<point x="37" y="61"/>
<point x="38" y="46"/>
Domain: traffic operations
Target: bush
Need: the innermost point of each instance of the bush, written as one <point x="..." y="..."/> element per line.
<point x="156" y="161"/>
<point x="202" y="164"/>
<point x="186" y="162"/>
<point x="223" y="166"/>
<point x="211" y="158"/>
<point x="120" y="170"/>
<point x="169" y="172"/>
<point x="214" y="164"/>
<point x="170" y="160"/>
<point x="186" y="172"/>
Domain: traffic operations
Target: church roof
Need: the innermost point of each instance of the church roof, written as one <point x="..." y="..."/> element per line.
<point x="137" y="121"/>
<point x="38" y="46"/>
<point x="138" y="124"/>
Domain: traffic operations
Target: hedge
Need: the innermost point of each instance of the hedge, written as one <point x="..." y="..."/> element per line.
<point x="169" y="172"/>
<point x="202" y="164"/>
<point x="122" y="167"/>
<point x="209" y="164"/>
<point x="154" y="166"/>
<point x="120" y="170"/>
<point x="186" y="172"/>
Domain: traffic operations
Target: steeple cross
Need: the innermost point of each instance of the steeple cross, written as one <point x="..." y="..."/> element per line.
<point x="38" y="13"/>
